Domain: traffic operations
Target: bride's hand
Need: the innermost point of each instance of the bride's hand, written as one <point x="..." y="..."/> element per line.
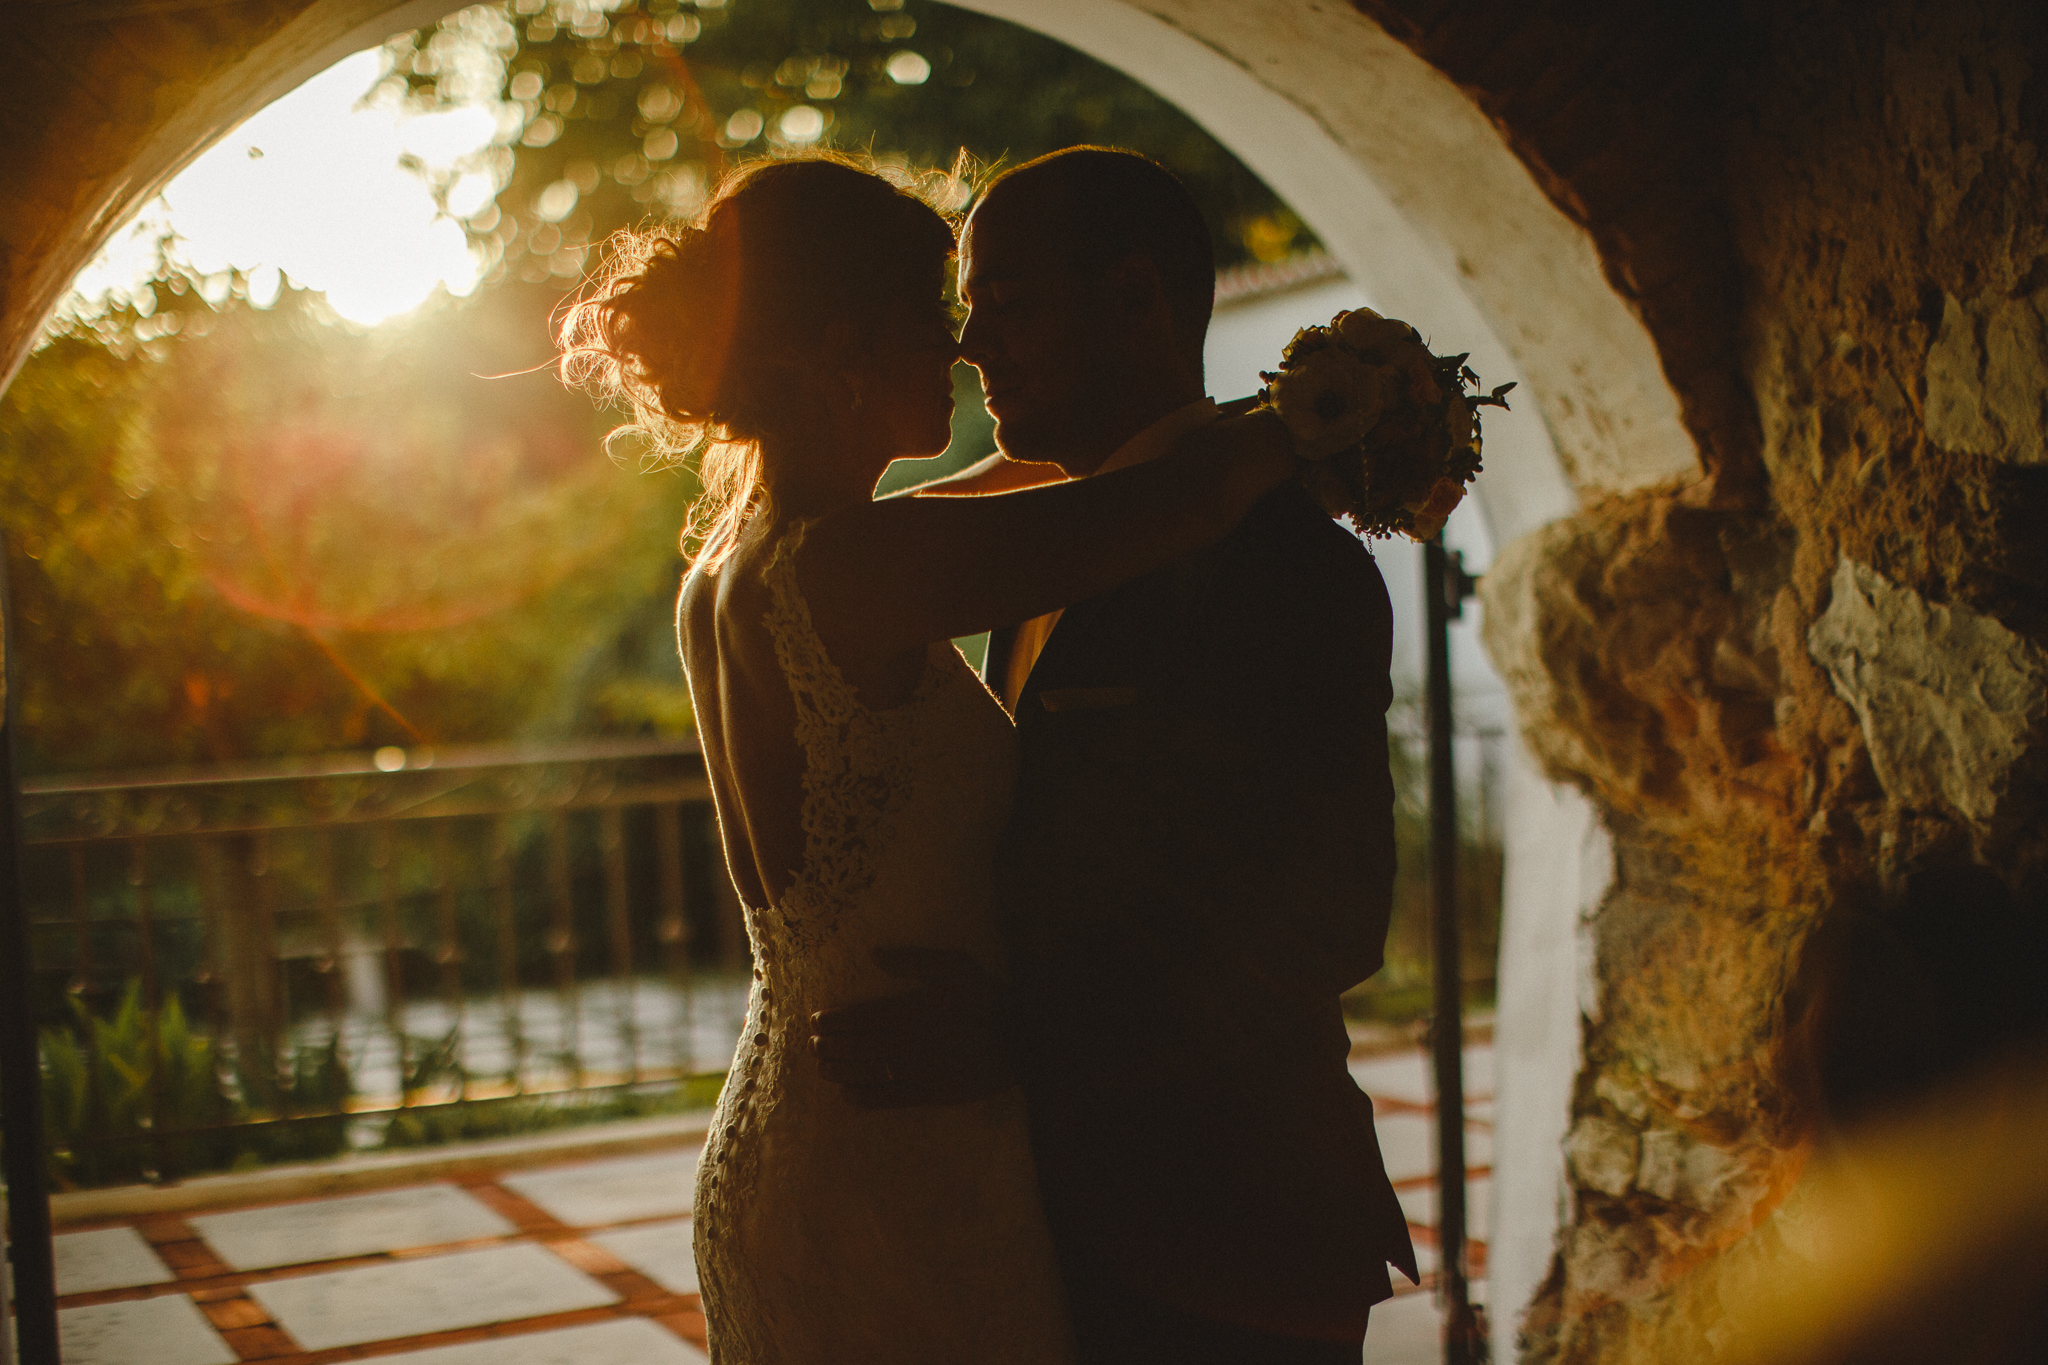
<point x="934" y="1045"/>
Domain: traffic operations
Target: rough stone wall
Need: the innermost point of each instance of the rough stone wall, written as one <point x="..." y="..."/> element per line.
<point x="1786" y="687"/>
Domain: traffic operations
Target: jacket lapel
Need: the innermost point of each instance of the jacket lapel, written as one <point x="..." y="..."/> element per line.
<point x="995" y="660"/>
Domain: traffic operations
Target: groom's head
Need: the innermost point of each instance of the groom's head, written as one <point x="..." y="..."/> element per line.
<point x="1089" y="278"/>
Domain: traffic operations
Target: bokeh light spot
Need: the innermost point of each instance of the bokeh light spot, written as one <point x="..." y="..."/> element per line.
<point x="908" y="68"/>
<point x="802" y="124"/>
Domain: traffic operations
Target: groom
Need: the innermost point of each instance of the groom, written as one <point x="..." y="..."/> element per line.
<point x="1201" y="854"/>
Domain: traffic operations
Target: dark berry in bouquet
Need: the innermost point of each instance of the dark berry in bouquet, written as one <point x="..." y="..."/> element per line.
<point x="1388" y="433"/>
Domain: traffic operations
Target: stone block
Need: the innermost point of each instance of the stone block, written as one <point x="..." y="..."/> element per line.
<point x="1662" y="1162"/>
<point x="1602" y="1154"/>
<point x="1679" y="1170"/>
<point x="1610" y="1262"/>
<point x="1949" y="701"/>
<point x="1987" y="378"/>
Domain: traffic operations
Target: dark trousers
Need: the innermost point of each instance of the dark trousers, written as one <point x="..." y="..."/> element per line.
<point x="1116" y="1326"/>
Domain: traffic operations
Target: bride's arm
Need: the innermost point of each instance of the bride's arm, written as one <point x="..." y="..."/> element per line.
<point x="996" y="474"/>
<point x="893" y="575"/>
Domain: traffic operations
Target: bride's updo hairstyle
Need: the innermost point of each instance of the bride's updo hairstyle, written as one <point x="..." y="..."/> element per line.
<point x="719" y="334"/>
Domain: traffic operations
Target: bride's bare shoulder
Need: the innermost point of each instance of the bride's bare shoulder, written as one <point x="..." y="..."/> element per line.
<point x="733" y="593"/>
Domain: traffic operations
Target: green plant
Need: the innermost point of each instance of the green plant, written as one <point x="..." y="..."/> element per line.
<point x="121" y="1094"/>
<point x="306" y="1093"/>
<point x="140" y="1095"/>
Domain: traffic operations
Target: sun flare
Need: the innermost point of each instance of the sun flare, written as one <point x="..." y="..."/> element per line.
<point x="329" y="187"/>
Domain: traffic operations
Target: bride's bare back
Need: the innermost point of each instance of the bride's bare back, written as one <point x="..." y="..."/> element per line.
<point x="746" y="720"/>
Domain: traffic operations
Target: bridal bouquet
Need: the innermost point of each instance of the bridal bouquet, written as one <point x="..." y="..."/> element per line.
<point x="1388" y="433"/>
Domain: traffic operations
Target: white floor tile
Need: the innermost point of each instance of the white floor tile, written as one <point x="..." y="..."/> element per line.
<point x="1394" y="1075"/>
<point x="1407" y="1144"/>
<point x="106" y="1258"/>
<point x="1410" y="1076"/>
<point x="349" y="1225"/>
<point x="594" y="1192"/>
<point x="1405" y="1330"/>
<point x="427" y="1294"/>
<point x="1419" y="1204"/>
<point x="623" y="1341"/>
<point x="660" y="1251"/>
<point x="1425" y="1260"/>
<point x="166" y="1331"/>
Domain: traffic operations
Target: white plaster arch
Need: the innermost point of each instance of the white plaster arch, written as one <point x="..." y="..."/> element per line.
<point x="1432" y="215"/>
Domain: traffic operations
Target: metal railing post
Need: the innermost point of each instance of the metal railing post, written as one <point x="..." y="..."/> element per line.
<point x="1446" y="585"/>
<point x="29" y="1247"/>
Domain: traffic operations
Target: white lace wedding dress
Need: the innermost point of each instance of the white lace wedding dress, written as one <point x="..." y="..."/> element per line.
<point x="829" y="1236"/>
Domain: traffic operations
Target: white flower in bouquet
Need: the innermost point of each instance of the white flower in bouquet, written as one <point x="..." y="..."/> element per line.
<point x="1388" y="432"/>
<point x="1329" y="402"/>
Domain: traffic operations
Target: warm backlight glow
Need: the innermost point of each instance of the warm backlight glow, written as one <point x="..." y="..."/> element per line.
<point x="317" y="187"/>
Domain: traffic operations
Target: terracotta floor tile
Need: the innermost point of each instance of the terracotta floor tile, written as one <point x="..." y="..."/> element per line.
<point x="193" y="1260"/>
<point x="236" y="1310"/>
<point x="261" y="1343"/>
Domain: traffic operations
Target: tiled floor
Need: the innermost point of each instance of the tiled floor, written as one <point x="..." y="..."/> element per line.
<point x="581" y="1264"/>
<point x="1407" y="1330"/>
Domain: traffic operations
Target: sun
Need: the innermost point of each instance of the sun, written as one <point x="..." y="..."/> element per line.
<point x="317" y="188"/>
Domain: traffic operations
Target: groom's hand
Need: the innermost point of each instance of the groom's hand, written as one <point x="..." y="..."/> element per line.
<point x="934" y="1044"/>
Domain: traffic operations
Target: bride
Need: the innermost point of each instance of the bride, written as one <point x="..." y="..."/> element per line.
<point x="800" y="337"/>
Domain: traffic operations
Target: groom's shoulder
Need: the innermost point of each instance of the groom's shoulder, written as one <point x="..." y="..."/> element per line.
<point x="1287" y="534"/>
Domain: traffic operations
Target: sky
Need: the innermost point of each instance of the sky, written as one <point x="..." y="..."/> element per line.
<point x="313" y="188"/>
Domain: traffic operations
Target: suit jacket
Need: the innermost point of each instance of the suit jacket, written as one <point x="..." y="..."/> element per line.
<point x="1199" y="860"/>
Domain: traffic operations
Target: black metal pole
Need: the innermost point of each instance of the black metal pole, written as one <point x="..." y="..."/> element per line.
<point x="1445" y="587"/>
<point x="21" y="1070"/>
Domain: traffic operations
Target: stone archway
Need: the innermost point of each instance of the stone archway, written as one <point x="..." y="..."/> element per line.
<point x="1354" y="131"/>
<point x="1778" y="286"/>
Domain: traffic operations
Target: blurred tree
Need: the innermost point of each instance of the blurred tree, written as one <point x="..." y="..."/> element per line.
<point x="241" y="531"/>
<point x="256" y="533"/>
<point x="627" y="109"/>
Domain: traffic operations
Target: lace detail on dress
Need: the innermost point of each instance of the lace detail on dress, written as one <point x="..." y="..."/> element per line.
<point x="824" y="1233"/>
<point x="857" y="761"/>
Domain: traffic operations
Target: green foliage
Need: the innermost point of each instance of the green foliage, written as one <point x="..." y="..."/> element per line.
<point x="262" y="534"/>
<point x="312" y="1079"/>
<point x="121" y="1096"/>
<point x="122" y="1077"/>
<point x="636" y="109"/>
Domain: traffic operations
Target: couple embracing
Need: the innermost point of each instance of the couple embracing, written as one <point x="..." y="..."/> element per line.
<point x="1043" y="1060"/>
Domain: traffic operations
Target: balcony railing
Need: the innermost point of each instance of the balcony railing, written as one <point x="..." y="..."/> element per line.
<point x="278" y="960"/>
